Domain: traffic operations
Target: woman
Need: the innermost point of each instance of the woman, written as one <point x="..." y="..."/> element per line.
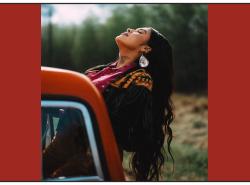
<point x="137" y="89"/>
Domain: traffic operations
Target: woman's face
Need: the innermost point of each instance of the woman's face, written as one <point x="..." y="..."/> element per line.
<point x="134" y="39"/>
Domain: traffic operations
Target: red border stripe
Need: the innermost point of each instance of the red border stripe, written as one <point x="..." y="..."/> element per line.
<point x="229" y="93"/>
<point x="20" y="42"/>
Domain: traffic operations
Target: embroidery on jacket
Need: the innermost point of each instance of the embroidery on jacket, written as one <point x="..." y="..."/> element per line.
<point x="138" y="77"/>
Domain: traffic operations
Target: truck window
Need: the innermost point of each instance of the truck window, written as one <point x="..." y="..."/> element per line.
<point x="69" y="149"/>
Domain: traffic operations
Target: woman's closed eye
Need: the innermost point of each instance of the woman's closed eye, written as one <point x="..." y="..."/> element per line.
<point x="140" y="31"/>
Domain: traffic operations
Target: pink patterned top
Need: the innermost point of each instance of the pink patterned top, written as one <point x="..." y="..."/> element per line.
<point x="103" y="78"/>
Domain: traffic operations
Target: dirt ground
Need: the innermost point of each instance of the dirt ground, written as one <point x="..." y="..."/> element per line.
<point x="191" y="120"/>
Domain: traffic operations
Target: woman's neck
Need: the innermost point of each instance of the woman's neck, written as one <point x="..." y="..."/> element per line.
<point x="122" y="61"/>
<point x="125" y="59"/>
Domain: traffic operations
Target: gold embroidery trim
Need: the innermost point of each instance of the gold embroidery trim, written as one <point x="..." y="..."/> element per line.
<point x="139" y="77"/>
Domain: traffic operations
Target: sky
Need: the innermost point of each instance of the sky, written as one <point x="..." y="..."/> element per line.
<point x="65" y="14"/>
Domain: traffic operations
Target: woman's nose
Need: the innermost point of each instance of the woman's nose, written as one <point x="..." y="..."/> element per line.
<point x="129" y="30"/>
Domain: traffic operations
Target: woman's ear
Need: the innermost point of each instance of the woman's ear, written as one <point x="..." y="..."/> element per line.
<point x="145" y="49"/>
<point x="148" y="49"/>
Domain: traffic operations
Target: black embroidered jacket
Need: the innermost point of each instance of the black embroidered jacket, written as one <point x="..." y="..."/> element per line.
<point x="129" y="102"/>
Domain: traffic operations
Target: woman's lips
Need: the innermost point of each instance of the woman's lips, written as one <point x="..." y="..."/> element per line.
<point x="125" y="33"/>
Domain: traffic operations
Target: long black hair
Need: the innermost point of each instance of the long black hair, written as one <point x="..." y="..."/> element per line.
<point x="147" y="165"/>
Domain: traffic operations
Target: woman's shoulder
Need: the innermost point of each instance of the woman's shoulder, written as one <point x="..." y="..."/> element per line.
<point x="136" y="78"/>
<point x="97" y="68"/>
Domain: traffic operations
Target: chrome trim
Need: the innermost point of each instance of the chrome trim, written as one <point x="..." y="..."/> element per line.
<point x="88" y="124"/>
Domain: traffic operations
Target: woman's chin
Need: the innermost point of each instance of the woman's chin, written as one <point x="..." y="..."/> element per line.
<point x="119" y="40"/>
<point x="119" y="37"/>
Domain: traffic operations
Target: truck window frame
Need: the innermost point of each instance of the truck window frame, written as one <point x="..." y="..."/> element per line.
<point x="90" y="133"/>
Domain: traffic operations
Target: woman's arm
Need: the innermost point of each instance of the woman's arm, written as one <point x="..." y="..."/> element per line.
<point x="131" y="116"/>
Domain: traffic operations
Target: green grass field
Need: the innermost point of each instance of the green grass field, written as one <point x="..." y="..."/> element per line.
<point x="189" y="144"/>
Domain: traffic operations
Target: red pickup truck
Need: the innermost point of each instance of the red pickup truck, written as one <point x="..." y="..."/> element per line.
<point x="77" y="139"/>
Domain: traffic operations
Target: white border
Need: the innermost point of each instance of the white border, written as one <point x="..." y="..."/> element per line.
<point x="124" y="1"/>
<point x="135" y="183"/>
